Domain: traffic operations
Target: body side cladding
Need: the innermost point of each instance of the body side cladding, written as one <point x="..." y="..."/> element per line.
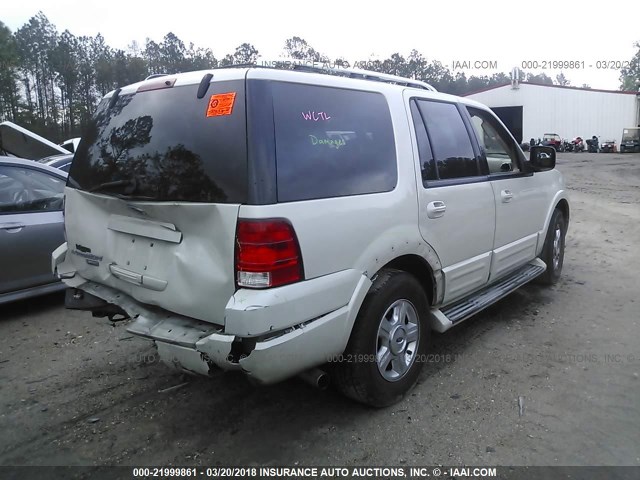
<point x="432" y="281"/>
<point x="561" y="201"/>
<point x="416" y="257"/>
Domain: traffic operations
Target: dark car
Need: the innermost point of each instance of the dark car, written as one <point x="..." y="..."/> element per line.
<point x="552" y="140"/>
<point x="31" y="227"/>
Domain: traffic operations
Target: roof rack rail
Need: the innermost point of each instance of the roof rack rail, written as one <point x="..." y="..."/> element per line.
<point x="322" y="67"/>
<point x="156" y="75"/>
<point x="367" y="75"/>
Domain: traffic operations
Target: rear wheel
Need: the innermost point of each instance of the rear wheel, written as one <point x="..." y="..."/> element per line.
<point x="383" y="358"/>
<point x="553" y="251"/>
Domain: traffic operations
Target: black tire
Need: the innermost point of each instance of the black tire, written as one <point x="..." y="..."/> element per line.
<point x="357" y="375"/>
<point x="554" y="269"/>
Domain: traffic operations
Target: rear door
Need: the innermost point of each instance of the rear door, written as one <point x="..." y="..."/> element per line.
<point x="457" y="213"/>
<point x="521" y="198"/>
<point x="154" y="192"/>
<point x="31" y="226"/>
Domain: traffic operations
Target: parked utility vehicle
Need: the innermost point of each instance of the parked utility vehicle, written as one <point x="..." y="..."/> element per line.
<point x="275" y="221"/>
<point x="630" y="140"/>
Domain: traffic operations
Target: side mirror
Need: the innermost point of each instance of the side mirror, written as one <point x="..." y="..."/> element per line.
<point x="542" y="158"/>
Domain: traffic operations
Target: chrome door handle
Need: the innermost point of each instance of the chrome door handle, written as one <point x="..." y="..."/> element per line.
<point x="436" y="209"/>
<point x="506" y="195"/>
<point x="12" y="227"/>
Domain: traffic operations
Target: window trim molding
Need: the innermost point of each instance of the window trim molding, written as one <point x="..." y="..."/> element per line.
<point x="480" y="177"/>
<point x="520" y="160"/>
<point x="457" y="181"/>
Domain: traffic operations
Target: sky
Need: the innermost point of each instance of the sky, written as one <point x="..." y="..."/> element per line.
<point x="491" y="33"/>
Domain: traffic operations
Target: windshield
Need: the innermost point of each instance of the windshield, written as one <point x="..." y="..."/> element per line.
<point x="631" y="134"/>
<point x="166" y="145"/>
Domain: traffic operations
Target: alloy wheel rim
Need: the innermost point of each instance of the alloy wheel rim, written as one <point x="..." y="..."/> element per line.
<point x="557" y="247"/>
<point x="397" y="340"/>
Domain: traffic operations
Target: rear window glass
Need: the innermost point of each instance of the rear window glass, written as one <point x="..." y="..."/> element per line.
<point x="167" y="145"/>
<point x="332" y="142"/>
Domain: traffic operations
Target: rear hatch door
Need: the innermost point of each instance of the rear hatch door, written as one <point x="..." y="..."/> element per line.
<point x="154" y="193"/>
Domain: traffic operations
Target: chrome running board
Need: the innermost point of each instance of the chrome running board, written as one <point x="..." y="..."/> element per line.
<point x="445" y="318"/>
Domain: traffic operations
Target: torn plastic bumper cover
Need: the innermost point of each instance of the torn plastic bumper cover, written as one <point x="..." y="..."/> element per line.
<point x="269" y="335"/>
<point x="198" y="347"/>
<point x="187" y="344"/>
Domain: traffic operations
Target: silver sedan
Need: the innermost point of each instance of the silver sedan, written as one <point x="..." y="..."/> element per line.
<point x="31" y="227"/>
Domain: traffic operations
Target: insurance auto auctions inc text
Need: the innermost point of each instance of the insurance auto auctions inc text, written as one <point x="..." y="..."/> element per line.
<point x="376" y="472"/>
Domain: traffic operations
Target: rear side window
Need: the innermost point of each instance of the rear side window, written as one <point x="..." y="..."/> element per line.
<point x="332" y="142"/>
<point x="167" y="145"/>
<point x="427" y="162"/>
<point x="450" y="142"/>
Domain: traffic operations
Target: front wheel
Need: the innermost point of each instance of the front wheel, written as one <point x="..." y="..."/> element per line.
<point x="389" y="338"/>
<point x="553" y="250"/>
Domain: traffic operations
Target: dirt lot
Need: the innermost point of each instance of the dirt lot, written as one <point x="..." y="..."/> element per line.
<point x="546" y="377"/>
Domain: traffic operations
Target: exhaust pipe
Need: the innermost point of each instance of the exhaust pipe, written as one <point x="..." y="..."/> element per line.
<point x="316" y="378"/>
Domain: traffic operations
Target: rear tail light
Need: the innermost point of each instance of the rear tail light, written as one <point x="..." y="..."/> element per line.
<point x="267" y="254"/>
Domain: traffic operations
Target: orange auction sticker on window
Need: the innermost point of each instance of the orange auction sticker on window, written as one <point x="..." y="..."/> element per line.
<point x="221" y="104"/>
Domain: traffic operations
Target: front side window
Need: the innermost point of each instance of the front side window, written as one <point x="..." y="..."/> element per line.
<point x="26" y="190"/>
<point x="332" y="142"/>
<point x="499" y="149"/>
<point x="450" y="142"/>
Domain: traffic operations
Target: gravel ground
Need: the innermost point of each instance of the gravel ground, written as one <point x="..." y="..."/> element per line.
<point x="548" y="376"/>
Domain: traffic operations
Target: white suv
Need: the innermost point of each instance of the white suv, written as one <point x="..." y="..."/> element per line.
<point x="274" y="221"/>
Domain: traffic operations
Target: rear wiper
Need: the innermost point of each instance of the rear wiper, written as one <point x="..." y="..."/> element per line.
<point x="131" y="187"/>
<point x="132" y="197"/>
<point x="115" y="183"/>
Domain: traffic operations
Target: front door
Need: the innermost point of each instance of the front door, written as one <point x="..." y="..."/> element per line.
<point x="520" y="199"/>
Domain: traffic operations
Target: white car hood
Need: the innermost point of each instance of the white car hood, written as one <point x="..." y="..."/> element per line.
<point x="20" y="142"/>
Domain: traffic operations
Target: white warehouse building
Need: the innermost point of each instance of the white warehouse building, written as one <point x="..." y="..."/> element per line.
<point x="530" y="110"/>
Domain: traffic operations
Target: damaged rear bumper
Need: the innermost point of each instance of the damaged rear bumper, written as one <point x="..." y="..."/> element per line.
<point x="263" y="342"/>
<point x="188" y="346"/>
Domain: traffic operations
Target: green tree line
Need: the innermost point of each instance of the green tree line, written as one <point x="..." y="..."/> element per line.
<point x="51" y="82"/>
